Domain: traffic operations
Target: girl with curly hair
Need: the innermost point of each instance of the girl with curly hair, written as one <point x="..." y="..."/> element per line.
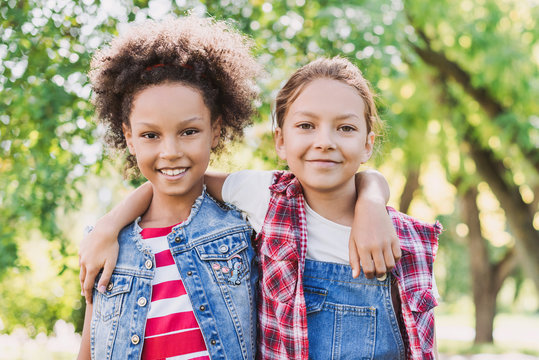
<point x="183" y="285"/>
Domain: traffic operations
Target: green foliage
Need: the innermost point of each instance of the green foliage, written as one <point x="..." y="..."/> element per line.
<point x="43" y="289"/>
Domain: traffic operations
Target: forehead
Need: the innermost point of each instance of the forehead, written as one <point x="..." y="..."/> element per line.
<point x="170" y="101"/>
<point x="328" y="96"/>
<point x="165" y="92"/>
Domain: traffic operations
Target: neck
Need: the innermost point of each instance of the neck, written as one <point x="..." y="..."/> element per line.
<point x="336" y="205"/>
<point x="166" y="210"/>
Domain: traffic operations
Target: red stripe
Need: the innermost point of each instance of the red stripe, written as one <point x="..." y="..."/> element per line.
<point x="147" y="233"/>
<point x="173" y="345"/>
<point x="164" y="258"/>
<point x="170" y="323"/>
<point x="168" y="289"/>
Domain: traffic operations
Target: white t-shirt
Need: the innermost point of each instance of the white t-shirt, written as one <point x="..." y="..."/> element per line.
<point x="248" y="190"/>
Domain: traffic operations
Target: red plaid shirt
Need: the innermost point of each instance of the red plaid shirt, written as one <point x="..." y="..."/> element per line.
<point x="282" y="244"/>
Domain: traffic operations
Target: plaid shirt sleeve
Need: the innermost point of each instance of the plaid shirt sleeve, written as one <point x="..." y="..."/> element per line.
<point x="282" y="244"/>
<point x="419" y="243"/>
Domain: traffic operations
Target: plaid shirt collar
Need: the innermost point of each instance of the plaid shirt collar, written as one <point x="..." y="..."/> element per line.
<point x="285" y="183"/>
<point x="282" y="246"/>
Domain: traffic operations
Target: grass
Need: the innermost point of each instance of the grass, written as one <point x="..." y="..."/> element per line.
<point x="513" y="333"/>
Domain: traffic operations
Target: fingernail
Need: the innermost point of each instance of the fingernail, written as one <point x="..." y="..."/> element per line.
<point x="82" y="293"/>
<point x="101" y="289"/>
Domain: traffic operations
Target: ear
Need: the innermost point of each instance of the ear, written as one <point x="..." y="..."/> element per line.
<point x="369" y="146"/>
<point x="279" y="143"/>
<point x="128" y="138"/>
<point x="216" y="132"/>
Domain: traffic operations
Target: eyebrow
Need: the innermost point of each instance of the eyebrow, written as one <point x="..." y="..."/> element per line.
<point x="339" y="117"/>
<point x="183" y="122"/>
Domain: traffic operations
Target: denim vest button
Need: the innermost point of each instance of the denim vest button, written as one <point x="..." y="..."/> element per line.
<point x="177" y="239"/>
<point x="213" y="342"/>
<point x="141" y="301"/>
<point x="148" y="264"/>
<point x="135" y="339"/>
<point x="223" y="248"/>
<point x="189" y="273"/>
<point x="110" y="286"/>
<point x="202" y="308"/>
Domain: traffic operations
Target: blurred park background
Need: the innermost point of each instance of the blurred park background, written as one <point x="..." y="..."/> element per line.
<point x="458" y="87"/>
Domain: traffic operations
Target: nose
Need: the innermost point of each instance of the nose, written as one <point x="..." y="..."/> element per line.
<point x="170" y="148"/>
<point x="325" y="139"/>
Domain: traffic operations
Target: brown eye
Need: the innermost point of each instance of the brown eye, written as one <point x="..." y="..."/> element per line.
<point x="149" y="136"/>
<point x="305" y="126"/>
<point x="347" y="128"/>
<point x="190" y="132"/>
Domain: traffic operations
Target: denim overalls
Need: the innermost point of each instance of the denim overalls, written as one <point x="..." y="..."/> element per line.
<point x="349" y="318"/>
<point x="213" y="240"/>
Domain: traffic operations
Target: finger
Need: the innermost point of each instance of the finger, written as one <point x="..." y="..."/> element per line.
<point x="367" y="265"/>
<point x="354" y="258"/>
<point x="82" y="276"/>
<point x="89" y="284"/>
<point x="379" y="263"/>
<point x="388" y="257"/>
<point x="396" y="249"/>
<point x="105" y="277"/>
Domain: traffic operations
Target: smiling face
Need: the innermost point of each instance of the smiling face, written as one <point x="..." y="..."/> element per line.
<point x="324" y="136"/>
<point x="171" y="135"/>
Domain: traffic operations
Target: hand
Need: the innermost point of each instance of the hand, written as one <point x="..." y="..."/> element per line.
<point x="374" y="244"/>
<point x="98" y="250"/>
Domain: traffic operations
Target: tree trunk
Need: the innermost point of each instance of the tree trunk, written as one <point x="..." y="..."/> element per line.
<point x="491" y="169"/>
<point x="518" y="213"/>
<point x="411" y="185"/>
<point x="487" y="278"/>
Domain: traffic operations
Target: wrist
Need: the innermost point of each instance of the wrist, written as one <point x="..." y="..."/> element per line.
<point x="106" y="225"/>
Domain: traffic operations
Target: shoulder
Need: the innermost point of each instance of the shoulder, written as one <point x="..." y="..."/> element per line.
<point x="241" y="183"/>
<point x="213" y="212"/>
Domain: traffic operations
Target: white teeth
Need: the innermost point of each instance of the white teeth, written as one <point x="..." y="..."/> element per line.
<point x="172" y="172"/>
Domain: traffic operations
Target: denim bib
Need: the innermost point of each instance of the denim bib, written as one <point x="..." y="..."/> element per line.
<point x="349" y="318"/>
<point x="212" y="250"/>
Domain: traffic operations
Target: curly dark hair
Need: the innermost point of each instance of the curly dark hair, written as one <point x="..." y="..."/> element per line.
<point x="206" y="54"/>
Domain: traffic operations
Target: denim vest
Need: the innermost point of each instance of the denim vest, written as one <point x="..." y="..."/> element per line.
<point x="211" y="241"/>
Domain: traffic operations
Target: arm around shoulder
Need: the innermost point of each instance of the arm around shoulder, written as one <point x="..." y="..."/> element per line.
<point x="374" y="245"/>
<point x="99" y="249"/>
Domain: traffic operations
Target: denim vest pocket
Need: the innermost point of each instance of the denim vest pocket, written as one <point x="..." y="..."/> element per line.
<point x="109" y="304"/>
<point x="314" y="298"/>
<point x="226" y="258"/>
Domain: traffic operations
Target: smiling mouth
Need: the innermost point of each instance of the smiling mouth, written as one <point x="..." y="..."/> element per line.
<point x="172" y="172"/>
<point x="323" y="161"/>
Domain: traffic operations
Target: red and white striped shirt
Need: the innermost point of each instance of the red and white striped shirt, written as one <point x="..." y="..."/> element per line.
<point x="172" y="331"/>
